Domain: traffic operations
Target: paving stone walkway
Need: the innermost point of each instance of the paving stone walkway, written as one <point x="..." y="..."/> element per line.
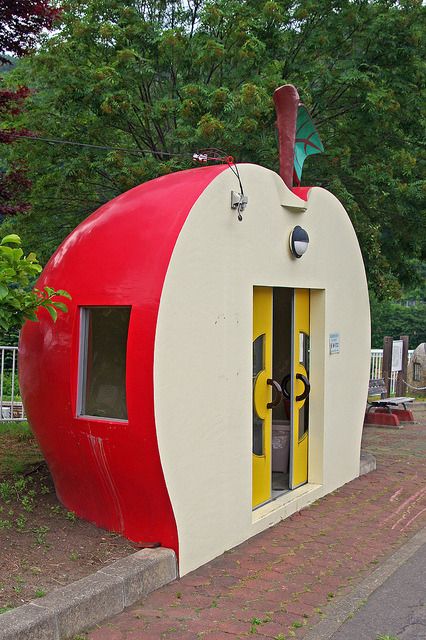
<point x="278" y="584"/>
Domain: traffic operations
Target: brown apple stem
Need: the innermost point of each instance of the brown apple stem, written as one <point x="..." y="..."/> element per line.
<point x="286" y="100"/>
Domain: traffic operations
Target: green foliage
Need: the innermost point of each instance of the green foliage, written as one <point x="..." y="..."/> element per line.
<point x="20" y="430"/>
<point x="40" y="533"/>
<point x="8" y="388"/>
<point x="169" y="77"/>
<point x="5" y="609"/>
<point x="394" y="319"/>
<point x="18" y="301"/>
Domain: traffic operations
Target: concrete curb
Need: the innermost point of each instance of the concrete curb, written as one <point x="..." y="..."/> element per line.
<point x="66" y="611"/>
<point x="367" y="463"/>
<point x="338" y="612"/>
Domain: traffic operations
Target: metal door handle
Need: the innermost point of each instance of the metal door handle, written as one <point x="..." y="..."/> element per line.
<point x="284" y="384"/>
<point x="279" y="393"/>
<point x="299" y="376"/>
<point x="307" y="390"/>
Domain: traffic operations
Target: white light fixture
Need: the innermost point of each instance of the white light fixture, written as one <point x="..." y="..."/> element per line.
<point x="299" y="242"/>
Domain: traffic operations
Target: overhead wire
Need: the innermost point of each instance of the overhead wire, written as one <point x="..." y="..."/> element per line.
<point x="211" y="154"/>
<point x="101" y="147"/>
<point x="204" y="155"/>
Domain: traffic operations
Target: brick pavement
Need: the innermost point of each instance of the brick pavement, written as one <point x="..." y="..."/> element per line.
<point x="277" y="584"/>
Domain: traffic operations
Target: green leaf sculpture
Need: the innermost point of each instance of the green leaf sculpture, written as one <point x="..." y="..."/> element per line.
<point x="307" y="141"/>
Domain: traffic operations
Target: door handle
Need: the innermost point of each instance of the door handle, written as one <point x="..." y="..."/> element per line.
<point x="284" y="383"/>
<point x="278" y="393"/>
<point x="306" y="391"/>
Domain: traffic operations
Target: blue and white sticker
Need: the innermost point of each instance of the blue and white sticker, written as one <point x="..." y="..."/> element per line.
<point x="334" y="342"/>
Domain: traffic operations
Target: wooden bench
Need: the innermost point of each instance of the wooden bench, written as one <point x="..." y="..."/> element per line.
<point x="386" y="410"/>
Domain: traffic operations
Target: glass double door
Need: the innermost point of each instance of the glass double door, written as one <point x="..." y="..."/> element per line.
<point x="280" y="412"/>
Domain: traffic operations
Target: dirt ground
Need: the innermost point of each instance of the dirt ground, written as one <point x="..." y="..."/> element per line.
<point x="42" y="545"/>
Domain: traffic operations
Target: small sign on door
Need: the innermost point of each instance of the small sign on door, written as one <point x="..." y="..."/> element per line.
<point x="334" y="342"/>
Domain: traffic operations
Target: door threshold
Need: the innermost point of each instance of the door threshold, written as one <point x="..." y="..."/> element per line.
<point x="286" y="500"/>
<point x="277" y="493"/>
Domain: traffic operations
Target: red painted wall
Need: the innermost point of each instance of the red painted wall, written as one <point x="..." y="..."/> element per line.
<point x="109" y="472"/>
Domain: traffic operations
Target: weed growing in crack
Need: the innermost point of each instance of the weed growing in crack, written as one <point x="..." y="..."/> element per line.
<point x="254" y="622"/>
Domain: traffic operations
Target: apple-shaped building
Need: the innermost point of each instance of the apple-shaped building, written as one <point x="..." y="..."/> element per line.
<point x="208" y="379"/>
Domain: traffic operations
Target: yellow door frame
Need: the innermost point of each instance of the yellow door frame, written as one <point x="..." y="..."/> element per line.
<point x="299" y="440"/>
<point x="262" y="392"/>
<point x="262" y="415"/>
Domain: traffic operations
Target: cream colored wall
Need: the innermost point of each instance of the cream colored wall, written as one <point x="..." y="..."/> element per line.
<point x="203" y="356"/>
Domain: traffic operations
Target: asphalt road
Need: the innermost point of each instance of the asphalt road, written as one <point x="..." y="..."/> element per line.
<point x="396" y="609"/>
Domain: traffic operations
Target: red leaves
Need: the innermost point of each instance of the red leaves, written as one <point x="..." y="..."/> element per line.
<point x="12" y="101"/>
<point x="21" y="21"/>
<point x="11" y="104"/>
<point x="10" y="135"/>
<point x="13" y="187"/>
<point x="14" y="184"/>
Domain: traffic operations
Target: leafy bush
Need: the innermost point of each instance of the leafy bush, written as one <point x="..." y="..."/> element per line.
<point x="7" y="386"/>
<point x="18" y="301"/>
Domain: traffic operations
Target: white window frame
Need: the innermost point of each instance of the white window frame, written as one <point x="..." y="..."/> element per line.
<point x="82" y="363"/>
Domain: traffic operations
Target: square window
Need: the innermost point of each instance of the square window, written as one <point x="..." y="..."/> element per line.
<point x="102" y="362"/>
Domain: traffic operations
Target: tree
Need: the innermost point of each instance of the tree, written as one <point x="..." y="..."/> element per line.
<point x="14" y="183"/>
<point x="21" y="21"/>
<point x="392" y="319"/>
<point x="165" y="78"/>
<point x="405" y="317"/>
<point x="18" y="302"/>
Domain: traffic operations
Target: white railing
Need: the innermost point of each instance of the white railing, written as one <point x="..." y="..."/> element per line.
<point x="376" y="367"/>
<point x="11" y="407"/>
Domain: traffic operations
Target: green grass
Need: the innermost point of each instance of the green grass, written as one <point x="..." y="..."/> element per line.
<point x="5" y="609"/>
<point x="19" y="429"/>
<point x="18" y="448"/>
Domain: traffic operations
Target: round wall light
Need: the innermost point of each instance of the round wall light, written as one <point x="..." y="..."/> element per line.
<point x="299" y="242"/>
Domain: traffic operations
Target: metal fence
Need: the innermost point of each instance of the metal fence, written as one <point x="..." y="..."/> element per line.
<point x="376" y="367"/>
<point x="11" y="407"/>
